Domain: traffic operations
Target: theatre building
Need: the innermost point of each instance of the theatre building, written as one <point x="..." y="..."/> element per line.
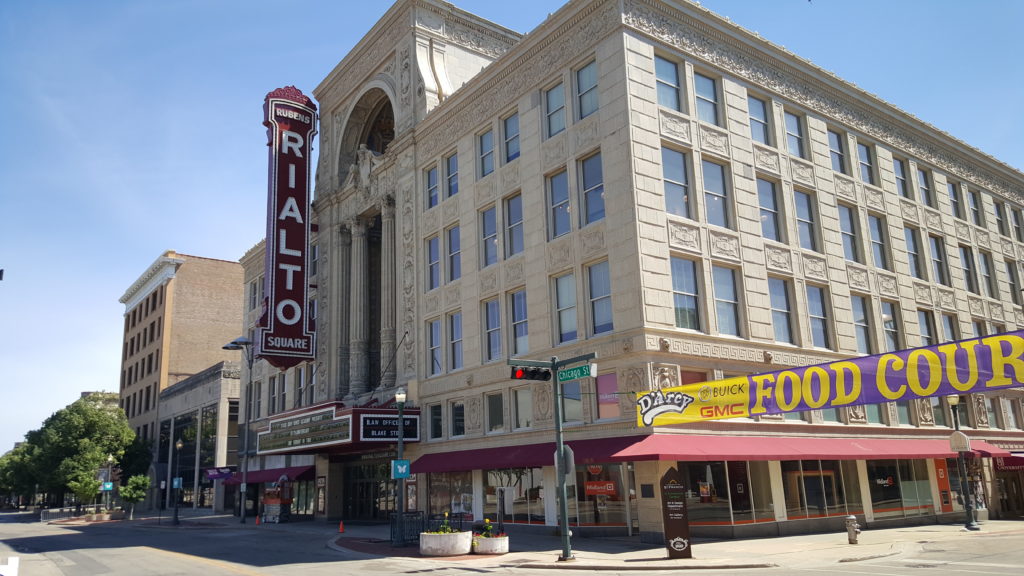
<point x="650" y="183"/>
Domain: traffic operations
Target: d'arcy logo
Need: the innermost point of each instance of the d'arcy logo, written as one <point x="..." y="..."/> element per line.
<point x="654" y="404"/>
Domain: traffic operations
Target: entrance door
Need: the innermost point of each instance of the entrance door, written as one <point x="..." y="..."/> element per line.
<point x="369" y="492"/>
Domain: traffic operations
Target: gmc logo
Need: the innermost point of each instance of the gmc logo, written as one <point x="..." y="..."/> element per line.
<point x="726" y="411"/>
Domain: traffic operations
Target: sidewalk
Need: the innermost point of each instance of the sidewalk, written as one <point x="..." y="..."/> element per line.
<point x="542" y="550"/>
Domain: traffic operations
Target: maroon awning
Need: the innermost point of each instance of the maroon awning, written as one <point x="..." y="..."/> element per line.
<point x="274" y="475"/>
<point x="520" y="456"/>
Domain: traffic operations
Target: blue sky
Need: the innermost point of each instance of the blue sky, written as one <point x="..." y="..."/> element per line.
<point x="134" y="127"/>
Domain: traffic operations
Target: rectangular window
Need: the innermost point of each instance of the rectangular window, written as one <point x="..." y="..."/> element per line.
<point x="867" y="161"/>
<point x="727" y="300"/>
<point x="435" y="421"/>
<point x="514" y="225"/>
<point x="433" y="262"/>
<point x="706" y="91"/>
<point x="511" y="130"/>
<point x="760" y="130"/>
<point x="593" y="189"/>
<point x="926" y="324"/>
<point x="970" y="273"/>
<point x="1001" y="221"/>
<point x="769" y="202"/>
<point x="554" y="109"/>
<point x="950" y="328"/>
<point x="938" y="411"/>
<point x="924" y="185"/>
<point x="676" y="183"/>
<point x="314" y="260"/>
<point x="956" y="205"/>
<point x="862" y="324"/>
<point x="486" y="144"/>
<point x="1013" y="278"/>
<point x="565" y="307"/>
<point x="666" y="73"/>
<point x="817" y="310"/>
<point x="782" y="312"/>
<point x="572" y="401"/>
<point x="988" y="274"/>
<point x="686" y="293"/>
<point x="794" y="134"/>
<point x="458" y="419"/>
<point x="979" y="328"/>
<point x="520" y="325"/>
<point x="913" y="240"/>
<point x="974" y="207"/>
<point x="940" y="267"/>
<point x="806" y="220"/>
<point x="434" y="348"/>
<point x="257" y="395"/>
<point x="586" y="89"/>
<point x="879" y="241"/>
<point x="1018" y="224"/>
<point x="522" y="407"/>
<point x="837" y="151"/>
<point x="495" y="413"/>
<point x="891" y="325"/>
<point x="608" y="397"/>
<point x="272" y="400"/>
<point x="558" y="191"/>
<point x="451" y="164"/>
<point x="716" y="194"/>
<point x="899" y="168"/>
<point x="455" y="341"/>
<point x="454" y="253"/>
<point x="600" y="297"/>
<point x="848" y="231"/>
<point x="489" y="236"/>
<point x="492" y="330"/>
<point x="254" y="292"/>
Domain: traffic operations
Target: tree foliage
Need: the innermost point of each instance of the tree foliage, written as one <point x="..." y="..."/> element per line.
<point x="134" y="491"/>
<point x="70" y="448"/>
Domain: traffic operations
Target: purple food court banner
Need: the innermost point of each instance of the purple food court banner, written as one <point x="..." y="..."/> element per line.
<point x="982" y="364"/>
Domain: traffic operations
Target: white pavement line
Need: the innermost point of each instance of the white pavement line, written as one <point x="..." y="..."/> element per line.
<point x="824" y="569"/>
<point x="959" y="563"/>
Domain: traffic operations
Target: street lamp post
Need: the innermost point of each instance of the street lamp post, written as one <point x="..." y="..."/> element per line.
<point x="966" y="493"/>
<point x="177" y="480"/>
<point x="400" y="500"/>
<point x="245" y="345"/>
<point x="110" y="474"/>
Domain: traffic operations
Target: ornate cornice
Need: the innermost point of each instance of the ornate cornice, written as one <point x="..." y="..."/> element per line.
<point x="746" y="55"/>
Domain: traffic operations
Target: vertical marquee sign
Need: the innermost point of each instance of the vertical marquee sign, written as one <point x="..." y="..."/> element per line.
<point x="287" y="338"/>
<point x="674" y="515"/>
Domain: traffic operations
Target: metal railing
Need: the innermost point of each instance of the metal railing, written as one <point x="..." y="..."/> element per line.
<point x="412" y="523"/>
<point x="51" y="514"/>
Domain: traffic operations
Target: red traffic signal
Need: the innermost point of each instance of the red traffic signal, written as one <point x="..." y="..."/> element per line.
<point x="530" y="373"/>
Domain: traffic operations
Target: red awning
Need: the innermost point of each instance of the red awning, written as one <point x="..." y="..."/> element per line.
<point x="521" y="456"/>
<point x="273" y="475"/>
<point x="685" y="447"/>
<point x="1010" y="464"/>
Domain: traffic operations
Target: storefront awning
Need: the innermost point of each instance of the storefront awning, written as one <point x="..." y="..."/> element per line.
<point x="684" y="447"/>
<point x="521" y="456"/>
<point x="273" y="475"/>
<point x="694" y="448"/>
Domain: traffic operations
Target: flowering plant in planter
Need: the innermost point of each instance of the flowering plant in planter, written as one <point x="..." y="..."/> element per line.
<point x="444" y="527"/>
<point x="487" y="531"/>
<point x="489" y="541"/>
<point x="445" y="541"/>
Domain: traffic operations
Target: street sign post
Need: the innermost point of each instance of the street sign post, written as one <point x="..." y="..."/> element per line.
<point x="577" y="372"/>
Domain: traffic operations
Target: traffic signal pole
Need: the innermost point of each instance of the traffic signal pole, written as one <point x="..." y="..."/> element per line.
<point x="550" y="370"/>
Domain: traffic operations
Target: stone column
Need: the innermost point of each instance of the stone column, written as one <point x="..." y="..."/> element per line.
<point x="358" y="332"/>
<point x="388" y="293"/>
<point x="343" y="294"/>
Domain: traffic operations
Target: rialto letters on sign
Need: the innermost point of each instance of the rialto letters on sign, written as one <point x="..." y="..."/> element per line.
<point x="976" y="365"/>
<point x="287" y="337"/>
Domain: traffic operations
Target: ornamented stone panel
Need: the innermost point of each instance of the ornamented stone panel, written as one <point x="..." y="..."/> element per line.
<point x="908" y="209"/>
<point x="874" y="198"/>
<point x="514" y="271"/>
<point x="996" y="310"/>
<point x="553" y="152"/>
<point x="767" y="159"/>
<point x="683" y="236"/>
<point x="845" y="187"/>
<point x="675" y="127"/>
<point x="489" y="281"/>
<point x="923" y="293"/>
<point x="982" y="238"/>
<point x="778" y="259"/>
<point x="947" y="299"/>
<point x="725" y="245"/>
<point x="933" y="220"/>
<point x="587" y="134"/>
<point x="815" y="267"/>
<point x="803" y="172"/>
<point x="1008" y="248"/>
<point x="963" y="230"/>
<point x="858" y="277"/>
<point x="560" y="254"/>
<point x="714" y="140"/>
<point x="592" y="240"/>
<point x="887" y="285"/>
<point x="976" y="306"/>
<point x="510" y="177"/>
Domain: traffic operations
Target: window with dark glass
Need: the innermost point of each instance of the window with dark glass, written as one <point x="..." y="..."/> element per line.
<point x="879" y="241"/>
<point x="760" y="130"/>
<point x="862" y="324"/>
<point x="767" y="197"/>
<point x="913" y="241"/>
<point x="716" y="194"/>
<point x="940" y="267"/>
<point x="817" y="311"/>
<point x="837" y="151"/>
<point x="706" y="90"/>
<point x="806" y="219"/>
<point x="675" y="182"/>
<point x="794" y="134"/>
<point x="782" y="313"/>
<point x="514" y="225"/>
<point x="867" y="168"/>
<point x="969" y="270"/>
<point x="685" y="293"/>
<point x="558" y="191"/>
<point x="924" y="185"/>
<point x="511" y="130"/>
<point x="899" y="168"/>
<point x="554" y="109"/>
<point x="667" y="77"/>
<point x="586" y="89"/>
<point x="727" y="300"/>
<point x="593" y="189"/>
<point x="848" y="231"/>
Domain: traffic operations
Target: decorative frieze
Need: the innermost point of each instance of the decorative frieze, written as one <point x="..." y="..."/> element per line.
<point x="778" y="259"/>
<point x="767" y="159"/>
<point x="725" y="245"/>
<point x="923" y="293"/>
<point x="714" y="140"/>
<point x="887" y="284"/>
<point x="684" y="236"/>
<point x="802" y="172"/>
<point x="592" y="240"/>
<point x="815" y="267"/>
<point x="908" y="209"/>
<point x="858" y="278"/>
<point x="560" y="254"/>
<point x="845" y="187"/>
<point x="874" y="198"/>
<point x="674" y="126"/>
<point x="587" y="133"/>
<point x="553" y="152"/>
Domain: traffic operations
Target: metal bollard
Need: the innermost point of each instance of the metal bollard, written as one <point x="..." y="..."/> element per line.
<point x="852" y="529"/>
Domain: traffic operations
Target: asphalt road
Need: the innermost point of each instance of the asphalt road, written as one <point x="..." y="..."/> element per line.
<point x="213" y="549"/>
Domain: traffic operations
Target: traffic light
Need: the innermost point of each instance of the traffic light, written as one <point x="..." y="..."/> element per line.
<point x="530" y="373"/>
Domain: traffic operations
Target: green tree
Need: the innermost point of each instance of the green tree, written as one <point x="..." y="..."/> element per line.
<point x="136" y="459"/>
<point x="84" y="486"/>
<point x="135" y="491"/>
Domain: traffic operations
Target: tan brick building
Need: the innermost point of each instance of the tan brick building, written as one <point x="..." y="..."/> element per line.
<point x="651" y="183"/>
<point x="178" y="315"/>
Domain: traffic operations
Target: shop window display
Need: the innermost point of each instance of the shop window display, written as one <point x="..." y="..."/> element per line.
<point x="452" y="493"/>
<point x="515" y="495"/>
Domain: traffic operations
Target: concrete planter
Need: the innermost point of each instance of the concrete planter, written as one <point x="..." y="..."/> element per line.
<point x="452" y="544"/>
<point x="496" y="545"/>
